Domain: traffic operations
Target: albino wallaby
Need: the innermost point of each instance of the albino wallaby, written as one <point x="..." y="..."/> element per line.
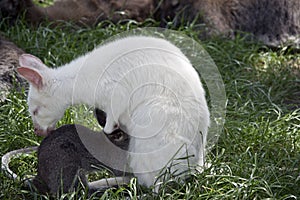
<point x="165" y="111"/>
<point x="63" y="159"/>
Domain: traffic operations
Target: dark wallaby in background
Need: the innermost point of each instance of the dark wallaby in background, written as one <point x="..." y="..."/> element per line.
<point x="82" y="12"/>
<point x="9" y="60"/>
<point x="272" y="22"/>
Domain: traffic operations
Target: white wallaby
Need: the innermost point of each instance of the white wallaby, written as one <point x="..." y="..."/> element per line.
<point x="147" y="87"/>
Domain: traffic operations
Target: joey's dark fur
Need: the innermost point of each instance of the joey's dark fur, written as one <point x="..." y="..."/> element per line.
<point x="118" y="137"/>
<point x="63" y="159"/>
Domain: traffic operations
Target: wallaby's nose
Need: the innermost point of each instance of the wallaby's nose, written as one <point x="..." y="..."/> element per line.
<point x="41" y="132"/>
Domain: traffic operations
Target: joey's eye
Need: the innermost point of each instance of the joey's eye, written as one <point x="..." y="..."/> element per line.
<point x="116" y="126"/>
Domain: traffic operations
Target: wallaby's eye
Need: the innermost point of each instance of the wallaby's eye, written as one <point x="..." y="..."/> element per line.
<point x="116" y="126"/>
<point x="35" y="112"/>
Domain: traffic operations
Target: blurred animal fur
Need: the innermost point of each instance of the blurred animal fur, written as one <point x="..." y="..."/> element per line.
<point x="9" y="60"/>
<point x="82" y="12"/>
<point x="272" y="22"/>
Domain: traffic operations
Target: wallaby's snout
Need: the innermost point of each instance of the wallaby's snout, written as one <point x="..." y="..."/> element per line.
<point x="43" y="132"/>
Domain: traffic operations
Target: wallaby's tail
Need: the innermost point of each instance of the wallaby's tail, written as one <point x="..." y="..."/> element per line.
<point x="12" y="154"/>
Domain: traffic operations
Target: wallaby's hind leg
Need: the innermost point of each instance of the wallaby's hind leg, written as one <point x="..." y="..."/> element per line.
<point x="69" y="178"/>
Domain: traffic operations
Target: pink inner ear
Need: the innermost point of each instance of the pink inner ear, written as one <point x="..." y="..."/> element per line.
<point x="32" y="76"/>
<point x="28" y="60"/>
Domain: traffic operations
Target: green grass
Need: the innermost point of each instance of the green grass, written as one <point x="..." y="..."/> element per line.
<point x="256" y="157"/>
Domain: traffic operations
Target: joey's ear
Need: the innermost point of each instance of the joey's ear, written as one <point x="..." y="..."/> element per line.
<point x="27" y="60"/>
<point x="32" y="76"/>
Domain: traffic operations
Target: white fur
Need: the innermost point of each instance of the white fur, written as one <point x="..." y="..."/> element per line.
<point x="147" y="86"/>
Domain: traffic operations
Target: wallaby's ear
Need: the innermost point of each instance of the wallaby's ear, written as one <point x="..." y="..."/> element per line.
<point x="27" y="60"/>
<point x="32" y="76"/>
<point x="31" y="68"/>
